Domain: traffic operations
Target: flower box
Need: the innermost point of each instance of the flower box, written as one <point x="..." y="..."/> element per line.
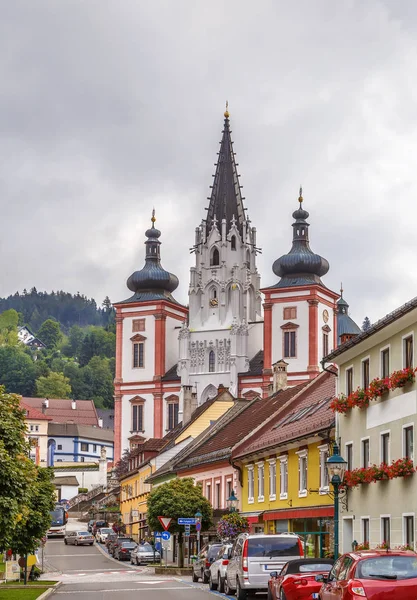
<point x="403" y="467"/>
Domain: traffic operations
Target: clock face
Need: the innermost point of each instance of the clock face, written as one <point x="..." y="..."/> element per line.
<point x="325" y="315"/>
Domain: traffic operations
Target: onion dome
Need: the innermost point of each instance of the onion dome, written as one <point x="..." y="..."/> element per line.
<point x="346" y="326"/>
<point x="300" y="266"/>
<point x="152" y="282"/>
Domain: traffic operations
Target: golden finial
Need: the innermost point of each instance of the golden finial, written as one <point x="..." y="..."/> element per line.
<point x="226" y="112"/>
<point x="300" y="198"/>
<point x="153" y="218"/>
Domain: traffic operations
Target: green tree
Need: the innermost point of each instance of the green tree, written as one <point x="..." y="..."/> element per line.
<point x="97" y="342"/>
<point x="75" y="339"/>
<point x="9" y="319"/>
<point x="175" y="499"/>
<point x="366" y="324"/>
<point x="50" y="333"/>
<point x="54" y="385"/>
<point x="17" y="371"/>
<point x="100" y="380"/>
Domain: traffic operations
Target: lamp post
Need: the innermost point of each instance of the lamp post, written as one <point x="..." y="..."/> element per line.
<point x="336" y="467"/>
<point x="232" y="502"/>
<point x="198" y="516"/>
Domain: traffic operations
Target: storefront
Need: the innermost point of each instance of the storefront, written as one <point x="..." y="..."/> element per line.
<point x="255" y="521"/>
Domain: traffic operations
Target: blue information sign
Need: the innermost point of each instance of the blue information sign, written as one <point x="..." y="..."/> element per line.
<point x="158" y="534"/>
<point x="185" y="521"/>
<point x="165" y="535"/>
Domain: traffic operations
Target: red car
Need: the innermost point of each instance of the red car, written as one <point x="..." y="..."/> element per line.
<point x="297" y="579"/>
<point x="372" y="574"/>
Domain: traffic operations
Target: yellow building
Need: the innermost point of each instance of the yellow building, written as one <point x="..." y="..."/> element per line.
<point x="133" y="501"/>
<point x="283" y="470"/>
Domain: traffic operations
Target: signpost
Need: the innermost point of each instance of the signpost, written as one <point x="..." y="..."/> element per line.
<point x="157" y="534"/>
<point x="187" y="530"/>
<point x="186" y="521"/>
<point x="165" y="535"/>
<point x="165" y="522"/>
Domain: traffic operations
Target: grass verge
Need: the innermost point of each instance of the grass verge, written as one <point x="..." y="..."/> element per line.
<point x="22" y="594"/>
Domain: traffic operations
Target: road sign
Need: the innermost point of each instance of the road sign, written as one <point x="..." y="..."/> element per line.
<point x="198" y="526"/>
<point x="165" y="535"/>
<point x="186" y="521"/>
<point x="165" y="522"/>
<point x="187" y="529"/>
<point x="157" y="534"/>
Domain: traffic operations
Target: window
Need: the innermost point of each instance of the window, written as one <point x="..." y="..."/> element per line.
<point x="228" y="488"/>
<point x="82" y="459"/>
<point x="365" y="373"/>
<point x="208" y="491"/>
<point x="324" y="475"/>
<point x="137" y="417"/>
<point x="408" y="433"/>
<point x="272" y="479"/>
<point x="290" y="312"/>
<point x="212" y="361"/>
<point x="233" y="242"/>
<point x="59" y="447"/>
<point x="385" y="363"/>
<point x="84" y="447"/>
<point x="302" y="473"/>
<point x="34" y="427"/>
<point x="349" y="381"/>
<point x="409" y="531"/>
<point x="217" y="495"/>
<point x="386" y="530"/>
<point x="283" y="478"/>
<point x="215" y="258"/>
<point x="349" y="456"/>
<point x="365" y="530"/>
<point x="385" y="443"/>
<point x="138" y="355"/>
<point x="138" y="325"/>
<point x="365" y="453"/>
<point x="261" y="482"/>
<point x="172" y="415"/>
<point x="325" y="344"/>
<point x="290" y="339"/>
<point x="250" y="485"/>
<point x="408" y="352"/>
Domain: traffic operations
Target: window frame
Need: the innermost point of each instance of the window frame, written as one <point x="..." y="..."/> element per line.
<point x="382" y="436"/>
<point x="272" y="478"/>
<point x="290" y="338"/>
<point x="323" y="473"/>
<point x="261" y="480"/>
<point x="283" y="477"/>
<point x="405" y="517"/>
<point x="325" y="343"/>
<point x="364" y="361"/>
<point x="405" y="338"/>
<point x="212" y="361"/>
<point x="138" y="325"/>
<point x="406" y="427"/>
<point x="349" y="449"/>
<point x="363" y="440"/>
<point x="289" y="313"/>
<point x="140" y="348"/>
<point x="215" y="252"/>
<point x="139" y="421"/>
<point x="365" y="530"/>
<point x="251" y="484"/>
<point x="349" y="374"/>
<point x="302" y="473"/>
<point x="172" y="419"/>
<point x="383" y="519"/>
<point x="84" y="446"/>
<point x="385" y="351"/>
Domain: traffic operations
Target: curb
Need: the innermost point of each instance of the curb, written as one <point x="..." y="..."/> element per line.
<point x="51" y="591"/>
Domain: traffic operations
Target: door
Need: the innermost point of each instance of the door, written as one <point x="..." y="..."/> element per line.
<point x="335" y="590"/>
<point x="234" y="562"/>
<point x="328" y="590"/>
<point x="347" y="533"/>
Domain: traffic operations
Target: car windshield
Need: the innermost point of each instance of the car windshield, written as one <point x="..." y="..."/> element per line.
<point x="105" y="530"/>
<point x="387" y="567"/>
<point x="314" y="567"/>
<point x="81" y="533"/>
<point x="213" y="551"/>
<point x="273" y="546"/>
<point x="128" y="545"/>
<point x="145" y="548"/>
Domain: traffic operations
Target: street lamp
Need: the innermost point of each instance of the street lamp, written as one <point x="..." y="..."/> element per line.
<point x="198" y="516"/>
<point x="232" y="502"/>
<point x="336" y="467"/>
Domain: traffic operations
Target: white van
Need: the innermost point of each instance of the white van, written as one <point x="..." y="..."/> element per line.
<point x="253" y="559"/>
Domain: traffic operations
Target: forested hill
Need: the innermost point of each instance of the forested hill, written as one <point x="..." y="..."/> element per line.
<point x="35" y="307"/>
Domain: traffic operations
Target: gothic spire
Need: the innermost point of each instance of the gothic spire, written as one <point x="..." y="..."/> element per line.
<point x="226" y="200"/>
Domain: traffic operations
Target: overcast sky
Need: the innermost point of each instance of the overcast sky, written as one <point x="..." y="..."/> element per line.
<point x="111" y="107"/>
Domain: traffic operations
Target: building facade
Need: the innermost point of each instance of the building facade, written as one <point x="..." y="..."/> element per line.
<point x="70" y="442"/>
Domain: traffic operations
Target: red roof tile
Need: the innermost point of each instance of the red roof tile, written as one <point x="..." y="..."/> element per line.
<point x="61" y="411"/>
<point x="33" y="413"/>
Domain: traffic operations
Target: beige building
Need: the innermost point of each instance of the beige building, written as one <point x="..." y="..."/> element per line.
<point x="381" y="432"/>
<point x="37" y="433"/>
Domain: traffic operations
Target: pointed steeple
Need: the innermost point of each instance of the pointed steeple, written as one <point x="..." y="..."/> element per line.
<point x="346" y="326"/>
<point x="226" y="200"/>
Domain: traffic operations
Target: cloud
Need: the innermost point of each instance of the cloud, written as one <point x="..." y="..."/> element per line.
<point x="108" y="109"/>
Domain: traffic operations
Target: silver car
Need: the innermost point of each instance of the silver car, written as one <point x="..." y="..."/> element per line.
<point x="144" y="554"/>
<point x="253" y="559"/>
<point x="217" y="573"/>
<point x="101" y="535"/>
<point x="79" y="538"/>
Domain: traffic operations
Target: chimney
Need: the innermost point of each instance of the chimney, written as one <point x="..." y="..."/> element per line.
<point x="187" y="397"/>
<point x="194" y="402"/>
<point x="280" y="381"/>
<point x="222" y="389"/>
<point x="73" y="405"/>
<point x="100" y="422"/>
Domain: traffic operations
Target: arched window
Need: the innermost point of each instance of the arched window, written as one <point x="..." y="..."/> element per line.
<point x="233" y="242"/>
<point x="212" y="361"/>
<point x="215" y="258"/>
<point x="214" y="293"/>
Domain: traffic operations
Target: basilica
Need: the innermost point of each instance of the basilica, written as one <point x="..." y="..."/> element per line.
<point x="233" y="332"/>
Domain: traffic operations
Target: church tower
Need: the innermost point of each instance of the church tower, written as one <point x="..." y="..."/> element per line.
<point x="224" y="330"/>
<point x="300" y="324"/>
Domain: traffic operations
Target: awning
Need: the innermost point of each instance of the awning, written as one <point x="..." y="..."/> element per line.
<point x="252" y="517"/>
<point x="299" y="513"/>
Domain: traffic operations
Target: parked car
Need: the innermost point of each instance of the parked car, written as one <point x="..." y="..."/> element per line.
<point x="112" y="537"/>
<point x="371" y="574"/>
<point x="90" y="525"/>
<point x="99" y="525"/>
<point x="217" y="571"/>
<point x="123" y="550"/>
<point x="297" y="579"/>
<point x="117" y="543"/>
<point x="79" y="538"/>
<point x="101" y="535"/>
<point x="201" y="565"/>
<point x="144" y="553"/>
<point x="254" y="557"/>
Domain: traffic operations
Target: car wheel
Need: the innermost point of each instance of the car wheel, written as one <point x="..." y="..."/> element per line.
<point x="282" y="595"/>
<point x="269" y="597"/>
<point x="194" y="577"/>
<point x="137" y="562"/>
<point x="220" y="585"/>
<point x="76" y="543"/>
<point x="240" y="594"/>
<point x="204" y="576"/>
<point x="212" y="585"/>
<point x="91" y="543"/>
<point x="65" y="542"/>
<point x="227" y="589"/>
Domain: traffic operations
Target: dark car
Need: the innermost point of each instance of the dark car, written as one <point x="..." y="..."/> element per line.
<point x="99" y="525"/>
<point x="122" y="551"/>
<point x="201" y="566"/>
<point x="117" y="543"/>
<point x="112" y="537"/>
<point x="297" y="579"/>
<point x="90" y="525"/>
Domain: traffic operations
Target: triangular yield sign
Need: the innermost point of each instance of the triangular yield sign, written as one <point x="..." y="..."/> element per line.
<point x="165" y="522"/>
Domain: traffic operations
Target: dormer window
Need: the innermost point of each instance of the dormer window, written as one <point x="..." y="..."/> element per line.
<point x="233" y="242"/>
<point x="215" y="258"/>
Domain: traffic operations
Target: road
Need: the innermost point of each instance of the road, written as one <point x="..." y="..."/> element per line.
<point x="87" y="573"/>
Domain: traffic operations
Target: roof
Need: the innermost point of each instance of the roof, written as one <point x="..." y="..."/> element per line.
<point x="33" y="413"/>
<point x="232" y="431"/>
<point x="150" y="445"/>
<point x="82" y="431"/>
<point x="384" y="322"/>
<point x="61" y="410"/>
<point x="171" y="374"/>
<point x="256" y="365"/>
<point x="66" y="480"/>
<point x="294" y="565"/>
<point x="107" y="414"/>
<point x="308" y="413"/>
<point x="345" y="324"/>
